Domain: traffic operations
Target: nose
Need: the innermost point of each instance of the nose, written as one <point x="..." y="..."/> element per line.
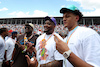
<point x="45" y="25"/>
<point x="64" y="19"/>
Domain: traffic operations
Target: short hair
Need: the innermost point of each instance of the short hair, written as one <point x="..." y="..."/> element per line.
<point x="2" y="30"/>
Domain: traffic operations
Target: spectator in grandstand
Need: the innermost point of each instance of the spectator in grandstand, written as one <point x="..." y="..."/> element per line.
<point x="3" y="34"/>
<point x="9" y="47"/>
<point x="81" y="49"/>
<point x="24" y="45"/>
<point x="47" y="55"/>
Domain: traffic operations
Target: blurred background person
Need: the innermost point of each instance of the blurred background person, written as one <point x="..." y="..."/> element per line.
<point x="24" y="45"/>
<point x="3" y="34"/>
<point x="9" y="48"/>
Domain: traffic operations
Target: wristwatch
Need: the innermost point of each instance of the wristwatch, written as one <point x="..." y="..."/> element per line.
<point x="66" y="54"/>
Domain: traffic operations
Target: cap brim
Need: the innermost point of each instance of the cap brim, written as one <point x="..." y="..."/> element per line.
<point x="28" y="25"/>
<point x="63" y="10"/>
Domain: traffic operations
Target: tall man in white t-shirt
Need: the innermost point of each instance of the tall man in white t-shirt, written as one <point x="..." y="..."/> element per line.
<point x="82" y="46"/>
<point x="3" y="34"/>
<point x="47" y="55"/>
<point x="9" y="48"/>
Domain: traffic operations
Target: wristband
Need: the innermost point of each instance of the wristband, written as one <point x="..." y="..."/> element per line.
<point x="11" y="60"/>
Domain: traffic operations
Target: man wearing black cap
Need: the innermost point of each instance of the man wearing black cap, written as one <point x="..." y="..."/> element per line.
<point x="47" y="55"/>
<point x="25" y="45"/>
<point x="81" y="48"/>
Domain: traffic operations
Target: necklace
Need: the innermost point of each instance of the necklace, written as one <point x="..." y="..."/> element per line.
<point x="26" y="39"/>
<point x="48" y="38"/>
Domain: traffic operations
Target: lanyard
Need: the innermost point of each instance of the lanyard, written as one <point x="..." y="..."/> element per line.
<point x="72" y="33"/>
<point x="49" y="37"/>
<point x="26" y="39"/>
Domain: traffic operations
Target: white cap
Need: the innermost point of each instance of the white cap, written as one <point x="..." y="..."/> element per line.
<point x="30" y="24"/>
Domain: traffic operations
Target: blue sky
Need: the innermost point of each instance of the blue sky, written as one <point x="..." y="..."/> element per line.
<point x="42" y="8"/>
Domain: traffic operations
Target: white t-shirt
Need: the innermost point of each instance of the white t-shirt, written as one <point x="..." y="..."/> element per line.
<point x="10" y="44"/>
<point x="49" y="53"/>
<point x="2" y="49"/>
<point x="85" y="43"/>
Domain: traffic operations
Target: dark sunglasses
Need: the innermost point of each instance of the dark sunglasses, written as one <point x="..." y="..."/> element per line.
<point x="28" y="27"/>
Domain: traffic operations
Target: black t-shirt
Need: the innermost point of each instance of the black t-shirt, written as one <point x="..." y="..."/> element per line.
<point x="19" y="57"/>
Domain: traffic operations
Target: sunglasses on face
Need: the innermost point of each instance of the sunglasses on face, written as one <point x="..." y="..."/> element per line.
<point x="27" y="27"/>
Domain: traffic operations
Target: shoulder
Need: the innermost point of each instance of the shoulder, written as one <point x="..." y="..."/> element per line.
<point x="86" y="32"/>
<point x="8" y="40"/>
<point x="40" y="37"/>
<point x="20" y="36"/>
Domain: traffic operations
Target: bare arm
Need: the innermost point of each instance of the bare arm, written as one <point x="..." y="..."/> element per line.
<point x="73" y="59"/>
<point x="53" y="64"/>
<point x="77" y="62"/>
<point x="50" y="64"/>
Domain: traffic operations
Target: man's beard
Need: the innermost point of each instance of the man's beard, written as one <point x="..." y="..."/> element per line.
<point x="46" y="31"/>
<point x="28" y="32"/>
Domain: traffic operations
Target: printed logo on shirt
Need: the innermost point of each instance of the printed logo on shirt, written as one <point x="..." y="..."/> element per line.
<point x="43" y="50"/>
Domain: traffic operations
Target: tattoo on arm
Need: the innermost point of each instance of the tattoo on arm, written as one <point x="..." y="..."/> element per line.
<point x="53" y="64"/>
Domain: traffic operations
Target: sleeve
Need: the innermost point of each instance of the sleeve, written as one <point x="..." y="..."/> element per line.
<point x="91" y="50"/>
<point x="57" y="55"/>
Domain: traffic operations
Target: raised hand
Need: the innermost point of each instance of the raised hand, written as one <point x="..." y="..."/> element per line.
<point x="31" y="63"/>
<point x="60" y="45"/>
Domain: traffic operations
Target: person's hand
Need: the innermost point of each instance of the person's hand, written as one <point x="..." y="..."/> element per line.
<point x="30" y="47"/>
<point x="60" y="45"/>
<point x="7" y="62"/>
<point x="22" y="47"/>
<point x="11" y="63"/>
<point x="31" y="63"/>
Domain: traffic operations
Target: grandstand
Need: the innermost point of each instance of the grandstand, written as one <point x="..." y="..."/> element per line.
<point x="93" y="21"/>
<point x="40" y="20"/>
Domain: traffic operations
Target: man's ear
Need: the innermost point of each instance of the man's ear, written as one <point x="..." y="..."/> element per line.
<point x="77" y="17"/>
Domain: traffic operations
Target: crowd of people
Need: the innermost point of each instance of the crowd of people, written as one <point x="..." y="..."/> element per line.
<point x="51" y="45"/>
<point x="39" y="28"/>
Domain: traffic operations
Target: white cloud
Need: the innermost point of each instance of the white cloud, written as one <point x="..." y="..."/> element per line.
<point x="89" y="4"/>
<point x="0" y="2"/>
<point x="36" y="13"/>
<point x="93" y="5"/>
<point x="3" y="9"/>
<point x="92" y="13"/>
<point x="63" y="6"/>
<point x="19" y="14"/>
